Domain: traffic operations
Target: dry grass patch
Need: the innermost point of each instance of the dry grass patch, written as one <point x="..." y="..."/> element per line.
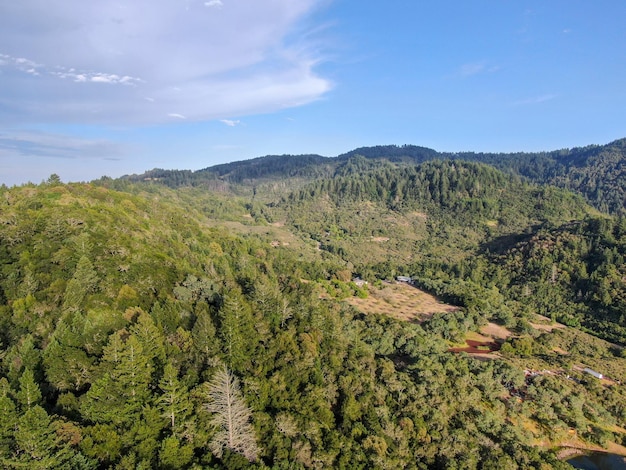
<point x="401" y="301"/>
<point x="495" y="331"/>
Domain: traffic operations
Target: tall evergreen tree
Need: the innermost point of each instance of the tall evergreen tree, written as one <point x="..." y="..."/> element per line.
<point x="174" y="403"/>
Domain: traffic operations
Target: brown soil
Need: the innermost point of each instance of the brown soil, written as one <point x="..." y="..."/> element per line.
<point x="548" y="328"/>
<point x="495" y="331"/>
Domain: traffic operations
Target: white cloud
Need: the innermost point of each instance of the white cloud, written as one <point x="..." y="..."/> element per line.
<point x="66" y="61"/>
<point x="535" y="100"/>
<point x="475" y="68"/>
<point x="230" y="122"/>
<point x="177" y="116"/>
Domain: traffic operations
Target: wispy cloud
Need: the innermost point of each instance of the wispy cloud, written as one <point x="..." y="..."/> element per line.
<point x="230" y="122"/>
<point x="98" y="64"/>
<point x="20" y="143"/>
<point x="475" y="68"/>
<point x="535" y="100"/>
<point x="27" y="66"/>
<point x="177" y="116"/>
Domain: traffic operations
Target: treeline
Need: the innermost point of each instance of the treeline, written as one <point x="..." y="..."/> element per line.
<point x="270" y="167"/>
<point x="453" y="186"/>
<point x="598" y="172"/>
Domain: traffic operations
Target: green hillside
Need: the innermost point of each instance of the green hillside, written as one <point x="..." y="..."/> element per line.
<point x="403" y="214"/>
<point x="597" y="172"/>
<point x="150" y="327"/>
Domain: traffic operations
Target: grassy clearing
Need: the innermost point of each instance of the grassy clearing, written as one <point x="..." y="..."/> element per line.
<point x="401" y="301"/>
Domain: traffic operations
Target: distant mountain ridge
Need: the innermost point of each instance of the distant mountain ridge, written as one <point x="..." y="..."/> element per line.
<point x="598" y="172"/>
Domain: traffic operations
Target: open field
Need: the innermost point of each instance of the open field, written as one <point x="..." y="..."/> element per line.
<point x="401" y="301"/>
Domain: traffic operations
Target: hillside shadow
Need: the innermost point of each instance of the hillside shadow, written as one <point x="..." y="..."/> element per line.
<point x="502" y="244"/>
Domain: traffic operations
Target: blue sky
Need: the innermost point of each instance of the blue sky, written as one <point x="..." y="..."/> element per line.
<point x="115" y="87"/>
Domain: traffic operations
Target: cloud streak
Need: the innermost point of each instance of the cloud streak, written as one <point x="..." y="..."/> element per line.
<point x="64" y="61"/>
<point x="16" y="144"/>
<point x="476" y="68"/>
<point x="535" y="100"/>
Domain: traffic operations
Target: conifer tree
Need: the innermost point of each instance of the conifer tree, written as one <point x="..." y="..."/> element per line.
<point x="83" y="282"/>
<point x="174" y="403"/>
<point x="237" y="331"/>
<point x="8" y="418"/>
<point x="29" y="394"/>
<point x="37" y="443"/>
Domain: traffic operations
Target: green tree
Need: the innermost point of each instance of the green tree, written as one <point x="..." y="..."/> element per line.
<point x="83" y="282"/>
<point x="8" y="418"/>
<point x="237" y="331"/>
<point x="123" y="390"/>
<point x="29" y="394"/>
<point x="37" y="444"/>
<point x="174" y="403"/>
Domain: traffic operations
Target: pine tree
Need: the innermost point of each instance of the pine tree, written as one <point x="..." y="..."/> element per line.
<point x="37" y="444"/>
<point x="231" y="416"/>
<point x="29" y="394"/>
<point x="237" y="331"/>
<point x="174" y="403"/>
<point x="8" y="418"/>
<point x="123" y="390"/>
<point x="82" y="283"/>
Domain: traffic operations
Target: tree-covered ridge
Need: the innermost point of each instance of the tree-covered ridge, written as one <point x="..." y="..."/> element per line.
<point x="253" y="171"/>
<point x="281" y="166"/>
<point x="598" y="172"/>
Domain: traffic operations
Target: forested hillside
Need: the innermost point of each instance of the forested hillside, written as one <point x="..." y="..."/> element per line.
<point x="411" y="210"/>
<point x="150" y="327"/>
<point x="597" y="172"/>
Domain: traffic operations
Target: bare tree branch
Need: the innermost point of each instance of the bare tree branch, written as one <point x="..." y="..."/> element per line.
<point x="231" y="416"/>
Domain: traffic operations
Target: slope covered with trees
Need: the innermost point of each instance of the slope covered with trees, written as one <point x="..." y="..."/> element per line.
<point x="597" y="172"/>
<point x="145" y="327"/>
<point x="408" y="211"/>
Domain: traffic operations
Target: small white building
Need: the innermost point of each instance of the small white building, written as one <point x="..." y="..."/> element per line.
<point x="589" y="371"/>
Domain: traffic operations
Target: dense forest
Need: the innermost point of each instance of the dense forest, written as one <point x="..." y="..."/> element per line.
<point x="597" y="172"/>
<point x="209" y="319"/>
